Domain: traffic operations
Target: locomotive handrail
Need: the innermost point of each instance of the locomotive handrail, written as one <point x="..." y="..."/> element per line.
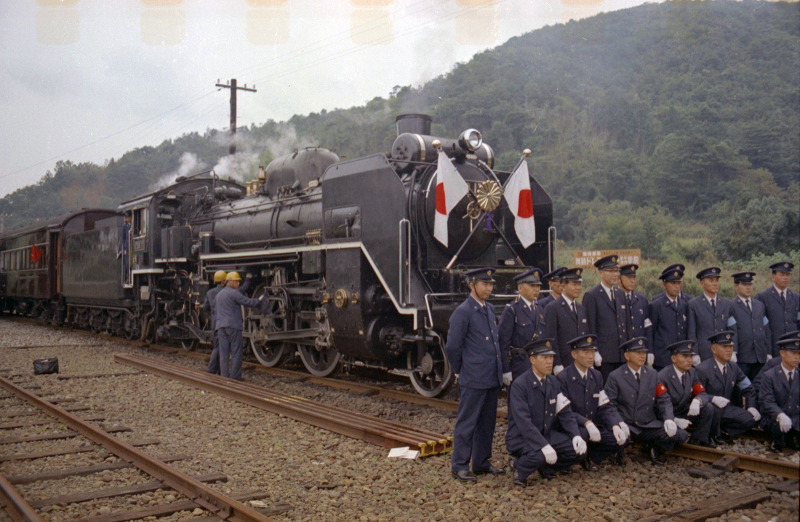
<point x="450" y="294"/>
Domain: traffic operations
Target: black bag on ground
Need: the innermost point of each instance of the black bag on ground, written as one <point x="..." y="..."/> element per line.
<point x="41" y="366"/>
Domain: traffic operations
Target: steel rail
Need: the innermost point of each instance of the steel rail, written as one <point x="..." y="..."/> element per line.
<point x="780" y="468"/>
<point x="374" y="430"/>
<point x="209" y="499"/>
<point x="17" y="507"/>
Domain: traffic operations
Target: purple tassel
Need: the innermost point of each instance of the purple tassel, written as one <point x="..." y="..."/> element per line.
<point x="488" y="221"/>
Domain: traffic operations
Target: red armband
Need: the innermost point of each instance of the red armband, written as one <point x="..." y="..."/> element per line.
<point x="660" y="389"/>
<point x="697" y="389"/>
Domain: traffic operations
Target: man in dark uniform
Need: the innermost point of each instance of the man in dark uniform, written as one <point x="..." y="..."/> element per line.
<point x="209" y="305"/>
<point x="564" y="318"/>
<point x="522" y="322"/>
<point x="126" y="248"/>
<point x="644" y="403"/>
<point x="637" y="321"/>
<point x="555" y="284"/>
<point x="473" y="350"/>
<point x="598" y="420"/>
<point x="753" y="336"/>
<point x="780" y="393"/>
<point x="229" y="324"/>
<point x="708" y="314"/>
<point x="668" y="314"/>
<point x="775" y="361"/>
<point x="783" y="305"/>
<point x="719" y="375"/>
<point x="671" y="268"/>
<point x="605" y="311"/>
<point x="690" y="402"/>
<point x="542" y="432"/>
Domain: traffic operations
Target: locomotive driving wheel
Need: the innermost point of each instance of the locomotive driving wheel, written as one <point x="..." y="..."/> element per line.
<point x="320" y="358"/>
<point x="273" y="319"/>
<point x="433" y="377"/>
<point x="191" y="344"/>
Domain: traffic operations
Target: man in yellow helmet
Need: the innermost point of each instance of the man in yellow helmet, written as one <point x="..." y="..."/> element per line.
<point x="229" y="326"/>
<point x="210" y="308"/>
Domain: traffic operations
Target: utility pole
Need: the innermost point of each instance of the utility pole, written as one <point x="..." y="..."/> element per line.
<point x="232" y="86"/>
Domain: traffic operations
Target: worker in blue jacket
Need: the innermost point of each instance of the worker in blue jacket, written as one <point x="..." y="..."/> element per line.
<point x="709" y="314"/>
<point x="555" y="284"/>
<point x="542" y="432"/>
<point x="522" y="322"/>
<point x="473" y="350"/>
<point x="753" y="335"/>
<point x="668" y="316"/>
<point x="783" y="304"/>
<point x="229" y="325"/>
<point x="780" y="395"/>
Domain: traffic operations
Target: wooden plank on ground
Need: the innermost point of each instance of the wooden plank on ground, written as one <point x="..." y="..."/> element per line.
<point x="80" y="449"/>
<point x="97" y="375"/>
<point x="24" y="413"/>
<point x="57" y="436"/>
<point x="81" y="471"/>
<point x="714" y="507"/>
<point x="787" y="486"/>
<point x="135" y="489"/>
<point x="168" y="509"/>
<point x="15" y="425"/>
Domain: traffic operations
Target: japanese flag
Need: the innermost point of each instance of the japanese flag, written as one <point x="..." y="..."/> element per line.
<point x="450" y="188"/>
<point x="520" y="202"/>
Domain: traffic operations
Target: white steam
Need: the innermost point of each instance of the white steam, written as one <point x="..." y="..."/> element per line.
<point x="188" y="164"/>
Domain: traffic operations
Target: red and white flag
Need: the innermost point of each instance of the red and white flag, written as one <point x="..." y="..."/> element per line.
<point x="450" y="189"/>
<point x="36" y="254"/>
<point x="520" y="202"/>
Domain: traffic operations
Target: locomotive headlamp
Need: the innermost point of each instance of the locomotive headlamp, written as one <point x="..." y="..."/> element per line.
<point x="470" y="140"/>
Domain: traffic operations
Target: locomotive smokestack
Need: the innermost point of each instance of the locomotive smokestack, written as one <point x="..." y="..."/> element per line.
<point x="414" y="123"/>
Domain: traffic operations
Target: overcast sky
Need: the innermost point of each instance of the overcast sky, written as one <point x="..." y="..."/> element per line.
<point x="87" y="80"/>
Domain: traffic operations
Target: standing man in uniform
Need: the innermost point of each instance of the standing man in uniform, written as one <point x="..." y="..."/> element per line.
<point x="555" y="284"/>
<point x="708" y="314"/>
<point x="690" y="402"/>
<point x="542" y="432"/>
<point x="637" y="321"/>
<point x="209" y="305"/>
<point x="565" y="318"/>
<point x="473" y="350"/>
<point x="126" y="248"/>
<point x="598" y="420"/>
<point x="605" y="311"/>
<point x="229" y="324"/>
<point x="783" y="305"/>
<point x="644" y="403"/>
<point x="719" y="376"/>
<point x="780" y="393"/>
<point x="671" y="268"/>
<point x="753" y="336"/>
<point x="522" y="322"/>
<point x="668" y="317"/>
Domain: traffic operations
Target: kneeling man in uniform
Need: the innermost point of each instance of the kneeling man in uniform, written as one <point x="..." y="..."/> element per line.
<point x="644" y="403"/>
<point x="779" y="396"/>
<point x="542" y="432"/>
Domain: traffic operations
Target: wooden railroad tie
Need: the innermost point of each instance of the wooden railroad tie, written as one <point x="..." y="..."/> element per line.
<point x="724" y="465"/>
<point x="69" y="451"/>
<point x="81" y="471"/>
<point x="714" y="507"/>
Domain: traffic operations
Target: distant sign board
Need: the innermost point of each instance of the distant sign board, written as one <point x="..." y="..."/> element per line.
<point x="586" y="258"/>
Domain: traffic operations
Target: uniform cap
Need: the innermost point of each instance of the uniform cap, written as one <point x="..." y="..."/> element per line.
<point x="789" y="344"/>
<point x="540" y="347"/>
<point x="555" y="274"/>
<point x="628" y="270"/>
<point x="480" y="274"/>
<point x="607" y="262"/>
<point x="233" y="276"/>
<point x="794" y="335"/>
<point x="743" y="277"/>
<point x="637" y="344"/>
<point x="533" y="277"/>
<point x="682" y="347"/>
<point x="584" y="342"/>
<point x="671" y="274"/>
<point x="572" y="274"/>
<point x="783" y="266"/>
<point x="219" y="276"/>
<point x="712" y="271"/>
<point x="724" y="338"/>
<point x="676" y="266"/>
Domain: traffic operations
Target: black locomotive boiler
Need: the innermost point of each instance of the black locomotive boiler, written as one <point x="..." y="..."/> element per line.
<point x="343" y="251"/>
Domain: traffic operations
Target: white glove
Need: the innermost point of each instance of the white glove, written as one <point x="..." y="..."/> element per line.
<point x="651" y="358"/>
<point x="579" y="445"/>
<point x="456" y="378"/>
<point x="719" y="401"/>
<point x="619" y="434"/>
<point x="682" y="423"/>
<point x="694" y="408"/>
<point x="755" y="413"/>
<point x="696" y="360"/>
<point x="557" y="369"/>
<point x="733" y="357"/>
<point x="598" y="359"/>
<point x="625" y="429"/>
<point x="550" y="455"/>
<point x="670" y="427"/>
<point x="507" y="379"/>
<point x="594" y="433"/>
<point x="769" y="357"/>
<point x="785" y="422"/>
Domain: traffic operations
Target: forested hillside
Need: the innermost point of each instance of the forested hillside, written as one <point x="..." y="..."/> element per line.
<point x="674" y="128"/>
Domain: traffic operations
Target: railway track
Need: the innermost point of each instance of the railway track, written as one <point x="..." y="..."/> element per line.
<point x="199" y="494"/>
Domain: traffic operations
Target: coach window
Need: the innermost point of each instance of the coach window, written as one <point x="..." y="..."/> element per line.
<point x="140" y="222"/>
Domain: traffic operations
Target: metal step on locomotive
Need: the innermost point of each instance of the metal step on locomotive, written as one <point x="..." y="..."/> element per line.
<point x="344" y="252"/>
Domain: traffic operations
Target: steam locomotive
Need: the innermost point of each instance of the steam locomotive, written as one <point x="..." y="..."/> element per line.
<point x="343" y="251"/>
